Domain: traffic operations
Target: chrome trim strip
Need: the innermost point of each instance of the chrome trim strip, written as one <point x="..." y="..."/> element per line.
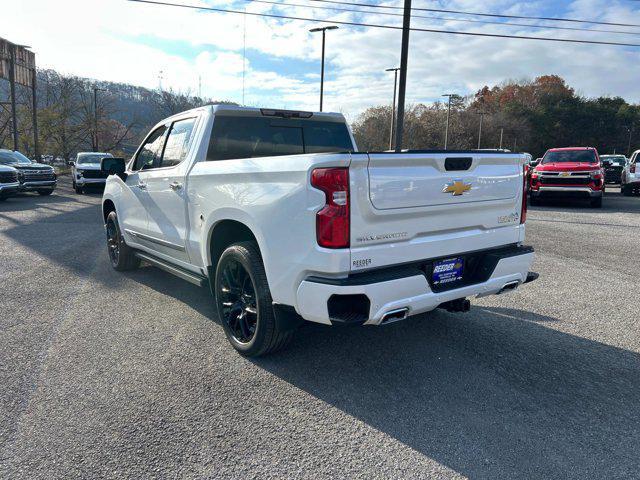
<point x="155" y="240"/>
<point x="41" y="182"/>
<point x="558" y="176"/>
<point x="566" y="189"/>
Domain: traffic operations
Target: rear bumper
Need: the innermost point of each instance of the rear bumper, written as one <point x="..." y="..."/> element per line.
<point x="566" y="191"/>
<point x="38" y="185"/>
<point x="377" y="293"/>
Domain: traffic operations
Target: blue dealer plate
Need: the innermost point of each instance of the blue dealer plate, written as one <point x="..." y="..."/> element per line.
<point x="449" y="270"/>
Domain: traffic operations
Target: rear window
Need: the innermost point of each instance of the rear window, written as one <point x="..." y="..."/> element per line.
<point x="251" y="137"/>
<point x="588" y="156"/>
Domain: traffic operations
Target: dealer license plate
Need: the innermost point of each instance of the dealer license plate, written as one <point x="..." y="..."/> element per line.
<point x="447" y="271"/>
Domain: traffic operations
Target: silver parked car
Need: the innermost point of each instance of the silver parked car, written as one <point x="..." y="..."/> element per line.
<point x="8" y="181"/>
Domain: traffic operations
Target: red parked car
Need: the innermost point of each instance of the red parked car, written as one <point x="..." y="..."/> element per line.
<point x="568" y="172"/>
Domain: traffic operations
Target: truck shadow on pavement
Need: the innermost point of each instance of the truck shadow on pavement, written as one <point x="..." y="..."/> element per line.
<point x="490" y="394"/>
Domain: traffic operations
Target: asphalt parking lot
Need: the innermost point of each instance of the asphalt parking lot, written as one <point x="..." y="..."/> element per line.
<point x="110" y="375"/>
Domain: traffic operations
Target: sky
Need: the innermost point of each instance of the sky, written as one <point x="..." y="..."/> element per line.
<point x="200" y="51"/>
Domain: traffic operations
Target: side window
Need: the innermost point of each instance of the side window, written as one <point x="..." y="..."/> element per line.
<point x="151" y="152"/>
<point x="178" y="142"/>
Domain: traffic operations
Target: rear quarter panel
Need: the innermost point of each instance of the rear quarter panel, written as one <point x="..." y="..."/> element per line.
<point x="272" y="196"/>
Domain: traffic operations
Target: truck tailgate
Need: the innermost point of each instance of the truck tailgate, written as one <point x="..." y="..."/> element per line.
<point x="413" y="206"/>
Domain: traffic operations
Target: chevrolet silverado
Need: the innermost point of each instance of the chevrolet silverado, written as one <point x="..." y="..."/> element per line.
<point x="283" y="218"/>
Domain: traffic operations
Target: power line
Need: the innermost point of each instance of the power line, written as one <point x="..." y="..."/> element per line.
<point x="495" y="15"/>
<point x="390" y="27"/>
<point x="448" y="19"/>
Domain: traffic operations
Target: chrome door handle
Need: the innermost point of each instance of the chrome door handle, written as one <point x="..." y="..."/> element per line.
<point x="175" y="185"/>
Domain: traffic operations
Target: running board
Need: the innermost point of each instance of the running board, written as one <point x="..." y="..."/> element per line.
<point x="190" y="277"/>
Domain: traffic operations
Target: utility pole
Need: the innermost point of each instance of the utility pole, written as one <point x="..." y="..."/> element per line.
<point x="501" y="132"/>
<point x="515" y="144"/>
<point x="95" y="116"/>
<point x="34" y="112"/>
<point x="393" y="105"/>
<point x="12" y="87"/>
<point x="324" y="31"/>
<point x="404" y="58"/>
<point x="630" y="129"/>
<point x="446" y="131"/>
<point x="482" y="114"/>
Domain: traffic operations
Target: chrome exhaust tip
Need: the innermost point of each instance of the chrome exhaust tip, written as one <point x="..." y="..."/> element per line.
<point x="395" y="315"/>
<point x="507" y="287"/>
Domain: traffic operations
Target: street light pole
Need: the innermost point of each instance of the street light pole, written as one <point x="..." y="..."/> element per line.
<point x="630" y="129"/>
<point x="501" y="132"/>
<point x="404" y="58"/>
<point x="446" y="131"/>
<point x="482" y="114"/>
<point x="323" y="30"/>
<point x="393" y="105"/>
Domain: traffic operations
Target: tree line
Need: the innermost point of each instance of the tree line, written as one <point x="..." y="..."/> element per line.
<point x="79" y="114"/>
<point x="526" y="116"/>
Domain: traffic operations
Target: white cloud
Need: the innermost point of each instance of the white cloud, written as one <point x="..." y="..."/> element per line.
<point x="114" y="40"/>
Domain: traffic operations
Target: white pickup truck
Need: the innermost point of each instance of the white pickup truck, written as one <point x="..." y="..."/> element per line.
<point x="286" y="221"/>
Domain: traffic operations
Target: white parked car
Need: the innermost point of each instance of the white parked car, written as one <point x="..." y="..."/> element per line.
<point x="85" y="170"/>
<point x="630" y="181"/>
<point x="286" y="221"/>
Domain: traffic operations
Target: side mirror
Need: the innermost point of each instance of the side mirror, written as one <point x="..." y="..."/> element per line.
<point x="71" y="163"/>
<point x="606" y="163"/>
<point x="114" y="166"/>
<point x="534" y="163"/>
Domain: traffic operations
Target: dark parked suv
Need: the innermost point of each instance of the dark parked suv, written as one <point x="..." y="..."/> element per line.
<point x="33" y="177"/>
<point x="613" y="166"/>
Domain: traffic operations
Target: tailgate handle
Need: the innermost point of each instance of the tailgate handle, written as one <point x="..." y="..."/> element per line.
<point x="457" y="163"/>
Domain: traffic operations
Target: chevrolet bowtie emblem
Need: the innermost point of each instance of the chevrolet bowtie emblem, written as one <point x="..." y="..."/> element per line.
<point x="457" y="188"/>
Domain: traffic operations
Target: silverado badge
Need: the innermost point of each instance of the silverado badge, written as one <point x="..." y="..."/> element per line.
<point x="457" y="187"/>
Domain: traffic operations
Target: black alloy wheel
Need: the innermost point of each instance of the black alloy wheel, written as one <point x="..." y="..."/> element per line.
<point x="113" y="241"/>
<point x="237" y="294"/>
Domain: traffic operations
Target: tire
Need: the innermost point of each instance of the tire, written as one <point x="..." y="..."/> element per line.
<point x="45" y="192"/>
<point x="121" y="256"/>
<point x="596" y="202"/>
<point x="244" y="304"/>
<point x="534" y="201"/>
<point x="3" y="198"/>
<point x="625" y="190"/>
<point x="79" y="190"/>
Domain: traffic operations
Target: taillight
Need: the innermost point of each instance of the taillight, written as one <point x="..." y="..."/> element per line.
<point x="332" y="221"/>
<point x="523" y="211"/>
